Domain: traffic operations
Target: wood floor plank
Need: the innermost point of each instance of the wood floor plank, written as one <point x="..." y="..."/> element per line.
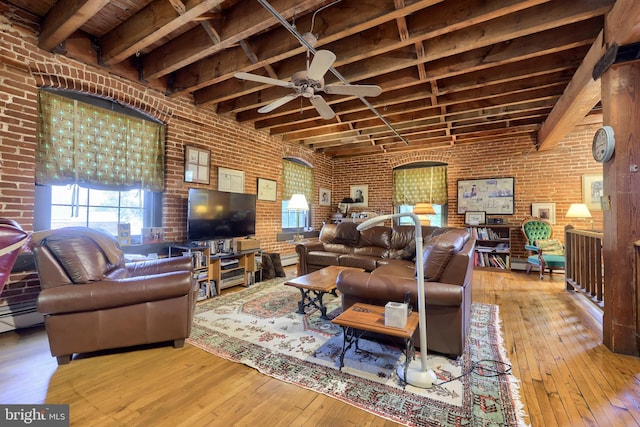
<point x="567" y="377"/>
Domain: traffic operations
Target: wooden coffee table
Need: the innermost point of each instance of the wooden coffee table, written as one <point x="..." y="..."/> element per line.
<point x="314" y="285"/>
<point x="361" y="318"/>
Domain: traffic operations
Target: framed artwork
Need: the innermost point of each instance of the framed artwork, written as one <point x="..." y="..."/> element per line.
<point x="230" y="180"/>
<point x="196" y="165"/>
<point x="360" y="195"/>
<point x="475" y="217"/>
<point x="492" y="195"/>
<point x="267" y="189"/>
<point x="592" y="191"/>
<point x="546" y="211"/>
<point x="324" y="197"/>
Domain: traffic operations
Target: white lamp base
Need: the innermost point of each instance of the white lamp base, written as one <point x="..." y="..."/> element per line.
<point x="417" y="377"/>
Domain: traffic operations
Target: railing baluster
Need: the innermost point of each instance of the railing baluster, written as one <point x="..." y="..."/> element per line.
<point x="583" y="273"/>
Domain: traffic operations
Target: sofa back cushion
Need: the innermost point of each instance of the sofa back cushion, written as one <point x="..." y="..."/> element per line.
<point x="374" y="241"/>
<point x="438" y="250"/>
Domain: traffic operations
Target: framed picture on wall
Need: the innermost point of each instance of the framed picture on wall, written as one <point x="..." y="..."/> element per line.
<point x="546" y="211"/>
<point x="267" y="189"/>
<point x="592" y="191"/>
<point x="491" y="195"/>
<point x="360" y="195"/>
<point x="196" y="165"/>
<point x="324" y="197"/>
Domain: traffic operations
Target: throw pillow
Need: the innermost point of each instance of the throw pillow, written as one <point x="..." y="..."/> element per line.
<point x="268" y="271"/>
<point x="550" y="246"/>
<point x="277" y="264"/>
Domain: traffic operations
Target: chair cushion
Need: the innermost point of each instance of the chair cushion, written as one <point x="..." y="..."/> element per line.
<point x="554" y="261"/>
<point x="550" y="246"/>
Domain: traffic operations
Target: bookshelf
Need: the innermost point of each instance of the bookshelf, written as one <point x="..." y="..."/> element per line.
<point x="493" y="246"/>
<point x="200" y="256"/>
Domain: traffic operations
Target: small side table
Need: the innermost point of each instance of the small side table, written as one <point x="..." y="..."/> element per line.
<point x="361" y="318"/>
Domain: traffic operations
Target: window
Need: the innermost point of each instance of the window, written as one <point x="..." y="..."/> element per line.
<point x="68" y="205"/>
<point x="438" y="220"/>
<point x="98" y="164"/>
<point x="297" y="178"/>
<point x="424" y="182"/>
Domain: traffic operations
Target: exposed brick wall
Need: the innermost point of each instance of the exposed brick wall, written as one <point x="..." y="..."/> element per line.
<point x="24" y="68"/>
<point x="549" y="176"/>
<point x="553" y="176"/>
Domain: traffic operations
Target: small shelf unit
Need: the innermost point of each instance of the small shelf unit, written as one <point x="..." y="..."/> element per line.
<point x="200" y="257"/>
<point x="227" y="270"/>
<point x="493" y="246"/>
<point x="219" y="271"/>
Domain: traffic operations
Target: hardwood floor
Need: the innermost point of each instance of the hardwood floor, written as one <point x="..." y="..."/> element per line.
<point x="567" y="377"/>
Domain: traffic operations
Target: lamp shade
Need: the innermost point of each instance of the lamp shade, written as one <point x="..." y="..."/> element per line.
<point x="423" y="209"/>
<point x="578" y="210"/>
<point x="347" y="200"/>
<point x="298" y="202"/>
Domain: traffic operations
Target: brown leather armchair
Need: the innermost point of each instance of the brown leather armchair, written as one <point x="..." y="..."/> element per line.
<point x="92" y="300"/>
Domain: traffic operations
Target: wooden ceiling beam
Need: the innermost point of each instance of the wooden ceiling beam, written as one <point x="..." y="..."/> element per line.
<point x="378" y="40"/>
<point x="65" y="17"/>
<point x="486" y="58"/>
<point x="347" y="18"/>
<point x="583" y="92"/>
<point x="155" y="21"/>
<point x="508" y="102"/>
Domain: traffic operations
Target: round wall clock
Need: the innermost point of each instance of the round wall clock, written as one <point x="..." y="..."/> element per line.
<point x="603" y="145"/>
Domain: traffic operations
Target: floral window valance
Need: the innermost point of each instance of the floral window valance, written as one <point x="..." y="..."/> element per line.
<point x="80" y="143"/>
<point x="420" y="185"/>
<point x="296" y="179"/>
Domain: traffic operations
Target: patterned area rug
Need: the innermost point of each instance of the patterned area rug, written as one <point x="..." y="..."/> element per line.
<point x="259" y="327"/>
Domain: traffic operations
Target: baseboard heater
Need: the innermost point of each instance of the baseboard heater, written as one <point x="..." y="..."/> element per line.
<point x="289" y="259"/>
<point x="18" y="316"/>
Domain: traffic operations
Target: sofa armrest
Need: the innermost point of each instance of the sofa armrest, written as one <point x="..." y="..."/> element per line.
<point x="302" y="249"/>
<point x="115" y="293"/>
<point x="391" y="288"/>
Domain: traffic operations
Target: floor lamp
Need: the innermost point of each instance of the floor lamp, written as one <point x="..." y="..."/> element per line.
<point x="423" y="377"/>
<point x="298" y="203"/>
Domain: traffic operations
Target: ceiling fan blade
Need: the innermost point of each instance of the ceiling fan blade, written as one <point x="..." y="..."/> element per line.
<point x="323" y="108"/>
<point x="357" y="90"/>
<point x="278" y="102"/>
<point x="322" y="61"/>
<point x="262" y="79"/>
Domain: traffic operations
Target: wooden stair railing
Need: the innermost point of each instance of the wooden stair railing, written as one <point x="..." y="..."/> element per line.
<point x="584" y="263"/>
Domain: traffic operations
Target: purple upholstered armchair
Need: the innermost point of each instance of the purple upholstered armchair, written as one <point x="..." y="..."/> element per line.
<point x="12" y="239"/>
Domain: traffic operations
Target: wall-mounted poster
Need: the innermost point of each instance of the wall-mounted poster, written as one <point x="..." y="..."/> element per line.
<point x="492" y="195"/>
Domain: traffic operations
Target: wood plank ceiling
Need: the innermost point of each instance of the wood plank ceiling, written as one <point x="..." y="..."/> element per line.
<point x="451" y="72"/>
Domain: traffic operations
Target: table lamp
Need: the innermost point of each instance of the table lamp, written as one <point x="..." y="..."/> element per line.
<point x="423" y="377"/>
<point x="298" y="203"/>
<point x="579" y="210"/>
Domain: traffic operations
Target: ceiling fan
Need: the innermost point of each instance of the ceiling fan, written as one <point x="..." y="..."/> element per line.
<point x="308" y="83"/>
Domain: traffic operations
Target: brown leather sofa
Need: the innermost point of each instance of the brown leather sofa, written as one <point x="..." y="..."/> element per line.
<point x="342" y="244"/>
<point x="92" y="300"/>
<point x="448" y="270"/>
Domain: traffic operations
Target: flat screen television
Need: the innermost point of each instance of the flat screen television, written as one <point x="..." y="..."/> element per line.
<point x="215" y="215"/>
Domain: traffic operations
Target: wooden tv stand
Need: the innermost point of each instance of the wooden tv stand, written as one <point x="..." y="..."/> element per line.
<point x="225" y="272"/>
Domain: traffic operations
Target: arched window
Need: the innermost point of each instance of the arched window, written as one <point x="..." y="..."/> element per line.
<point x="297" y="178"/>
<point x="423" y="182"/>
